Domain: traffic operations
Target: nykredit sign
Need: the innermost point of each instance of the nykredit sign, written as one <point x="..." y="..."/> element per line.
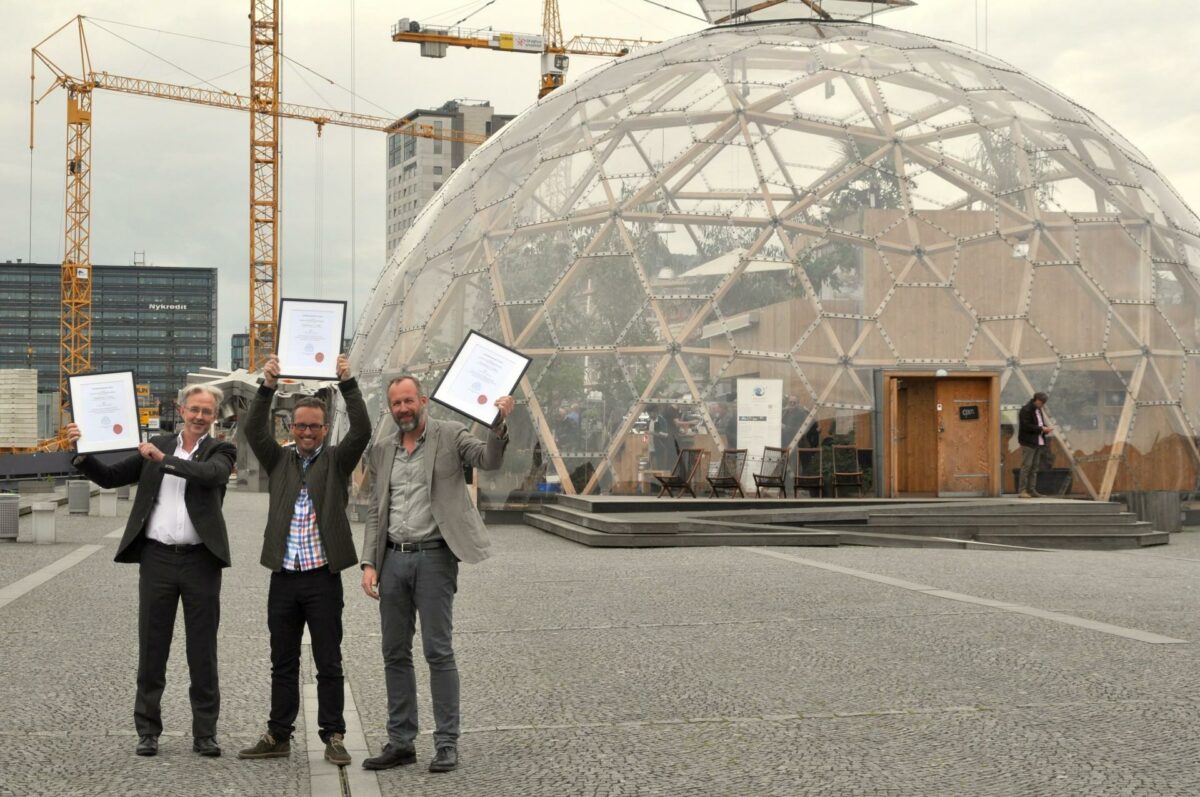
<point x="154" y="306"/>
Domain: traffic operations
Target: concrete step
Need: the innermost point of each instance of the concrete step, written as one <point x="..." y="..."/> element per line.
<point x="768" y="536"/>
<point x="977" y="532"/>
<point x="1081" y="541"/>
<point x="1003" y="519"/>
<point x="624" y="523"/>
<point x="1041" y="507"/>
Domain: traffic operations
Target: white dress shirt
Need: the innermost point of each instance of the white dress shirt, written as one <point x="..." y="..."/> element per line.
<point x="169" y="521"/>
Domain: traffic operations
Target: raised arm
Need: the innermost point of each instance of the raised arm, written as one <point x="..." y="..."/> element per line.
<point x="352" y="446"/>
<point x="486" y="454"/>
<point x="256" y="427"/>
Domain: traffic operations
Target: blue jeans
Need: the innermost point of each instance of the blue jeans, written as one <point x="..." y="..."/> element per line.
<point x="419" y="583"/>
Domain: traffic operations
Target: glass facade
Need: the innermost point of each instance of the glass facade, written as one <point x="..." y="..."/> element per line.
<point x="161" y="323"/>
<point x="806" y="202"/>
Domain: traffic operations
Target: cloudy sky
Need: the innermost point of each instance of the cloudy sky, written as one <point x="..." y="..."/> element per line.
<point x="171" y="179"/>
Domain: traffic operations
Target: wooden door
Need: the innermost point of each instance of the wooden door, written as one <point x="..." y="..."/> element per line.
<point x="915" y="437"/>
<point x="964" y="420"/>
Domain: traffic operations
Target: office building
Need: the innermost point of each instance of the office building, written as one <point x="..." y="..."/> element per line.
<point x="417" y="167"/>
<point x="239" y="350"/>
<point x="159" y="322"/>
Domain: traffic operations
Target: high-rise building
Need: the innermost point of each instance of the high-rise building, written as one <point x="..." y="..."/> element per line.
<point x="239" y="350"/>
<point x="417" y="167"/>
<point x="159" y="322"/>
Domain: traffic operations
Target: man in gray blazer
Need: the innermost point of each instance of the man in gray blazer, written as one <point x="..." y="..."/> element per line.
<point x="420" y="525"/>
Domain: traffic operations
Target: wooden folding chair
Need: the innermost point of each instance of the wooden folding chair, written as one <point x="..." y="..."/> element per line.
<point x="810" y="472"/>
<point x="729" y="473"/>
<point x="846" y="470"/>
<point x="772" y="474"/>
<point x="681" y="476"/>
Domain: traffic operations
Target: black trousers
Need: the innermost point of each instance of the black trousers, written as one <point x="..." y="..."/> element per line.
<point x="168" y="575"/>
<point x="313" y="597"/>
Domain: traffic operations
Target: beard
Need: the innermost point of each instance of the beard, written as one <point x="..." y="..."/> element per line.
<point x="410" y="423"/>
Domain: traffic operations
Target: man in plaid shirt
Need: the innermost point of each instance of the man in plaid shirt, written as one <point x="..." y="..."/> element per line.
<point x="307" y="543"/>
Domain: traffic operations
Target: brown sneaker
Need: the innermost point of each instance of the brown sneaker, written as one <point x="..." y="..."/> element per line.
<point x="1024" y="494"/>
<point x="335" y="750"/>
<point x="267" y="747"/>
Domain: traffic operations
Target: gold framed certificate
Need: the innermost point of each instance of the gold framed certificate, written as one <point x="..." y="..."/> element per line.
<point x="482" y="371"/>
<point x="311" y="335"/>
<point x="104" y="407"/>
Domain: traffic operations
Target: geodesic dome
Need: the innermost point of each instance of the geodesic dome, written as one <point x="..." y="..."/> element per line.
<point x="809" y="202"/>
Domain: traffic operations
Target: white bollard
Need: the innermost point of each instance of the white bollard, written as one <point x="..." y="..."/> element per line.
<point x="43" y="522"/>
<point x="108" y="503"/>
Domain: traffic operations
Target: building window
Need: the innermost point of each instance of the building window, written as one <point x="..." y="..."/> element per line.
<point x="437" y="169"/>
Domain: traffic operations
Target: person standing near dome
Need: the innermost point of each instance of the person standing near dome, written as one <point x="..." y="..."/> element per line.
<point x="1033" y="435"/>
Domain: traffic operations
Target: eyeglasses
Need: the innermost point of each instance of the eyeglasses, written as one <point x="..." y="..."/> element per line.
<point x="204" y="412"/>
<point x="307" y="427"/>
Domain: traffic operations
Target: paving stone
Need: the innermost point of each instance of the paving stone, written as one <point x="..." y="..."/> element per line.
<point x="708" y="671"/>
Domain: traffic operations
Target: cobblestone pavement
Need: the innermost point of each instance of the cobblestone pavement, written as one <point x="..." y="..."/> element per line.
<point x="708" y="671"/>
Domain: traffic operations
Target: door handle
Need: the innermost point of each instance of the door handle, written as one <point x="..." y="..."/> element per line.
<point x="941" y="427"/>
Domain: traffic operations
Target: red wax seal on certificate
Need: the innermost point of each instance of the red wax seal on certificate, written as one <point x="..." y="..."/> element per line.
<point x="118" y="428"/>
<point x="319" y="357"/>
<point x="482" y="399"/>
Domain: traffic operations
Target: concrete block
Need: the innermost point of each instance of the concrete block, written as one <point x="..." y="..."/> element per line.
<point x="79" y="496"/>
<point x="10" y="513"/>
<point x="108" y="503"/>
<point x="43" y="522"/>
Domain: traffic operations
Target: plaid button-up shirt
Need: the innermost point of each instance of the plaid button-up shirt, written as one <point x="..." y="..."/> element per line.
<point x="304" y="549"/>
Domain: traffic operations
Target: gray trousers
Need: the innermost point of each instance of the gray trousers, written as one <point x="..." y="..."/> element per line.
<point x="1033" y="459"/>
<point x="411" y="585"/>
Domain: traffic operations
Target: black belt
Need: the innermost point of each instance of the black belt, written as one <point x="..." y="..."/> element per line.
<point x="176" y="548"/>
<point x="412" y="547"/>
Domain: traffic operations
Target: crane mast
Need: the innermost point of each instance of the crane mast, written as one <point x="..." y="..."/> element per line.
<point x="75" y="324"/>
<point x="265" y="34"/>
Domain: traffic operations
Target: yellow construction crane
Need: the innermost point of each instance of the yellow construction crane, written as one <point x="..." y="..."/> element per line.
<point x="434" y="40"/>
<point x="265" y="109"/>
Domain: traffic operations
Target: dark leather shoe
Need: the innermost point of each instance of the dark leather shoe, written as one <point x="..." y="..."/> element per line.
<point x="206" y="746"/>
<point x="147" y="745"/>
<point x="391" y="756"/>
<point x="446" y="760"/>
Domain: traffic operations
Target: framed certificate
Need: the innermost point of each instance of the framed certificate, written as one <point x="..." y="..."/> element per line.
<point x="481" y="372"/>
<point x="311" y="334"/>
<point x="104" y="407"/>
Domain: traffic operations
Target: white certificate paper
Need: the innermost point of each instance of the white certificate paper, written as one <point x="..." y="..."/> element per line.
<point x="104" y="407"/>
<point x="311" y="333"/>
<point x="481" y="372"/>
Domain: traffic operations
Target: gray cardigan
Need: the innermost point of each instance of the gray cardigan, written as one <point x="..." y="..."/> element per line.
<point x="449" y="446"/>
<point x="327" y="479"/>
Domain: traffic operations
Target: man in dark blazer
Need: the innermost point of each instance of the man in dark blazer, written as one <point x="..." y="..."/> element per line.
<point x="177" y="535"/>
<point x="306" y="544"/>
<point x="1033" y="434"/>
<point x="420" y="525"/>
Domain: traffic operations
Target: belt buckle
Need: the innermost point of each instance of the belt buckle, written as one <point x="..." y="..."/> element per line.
<point x="409" y="547"/>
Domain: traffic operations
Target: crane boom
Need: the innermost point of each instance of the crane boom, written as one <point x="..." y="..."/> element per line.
<point x="435" y="39"/>
<point x="306" y="113"/>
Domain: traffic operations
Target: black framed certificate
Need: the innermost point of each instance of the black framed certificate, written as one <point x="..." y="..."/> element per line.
<point x="311" y="334"/>
<point x="104" y="407"/>
<point x="482" y="371"/>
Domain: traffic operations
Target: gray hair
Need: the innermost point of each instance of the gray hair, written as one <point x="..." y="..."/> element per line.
<point x="186" y="392"/>
<point x="407" y="378"/>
